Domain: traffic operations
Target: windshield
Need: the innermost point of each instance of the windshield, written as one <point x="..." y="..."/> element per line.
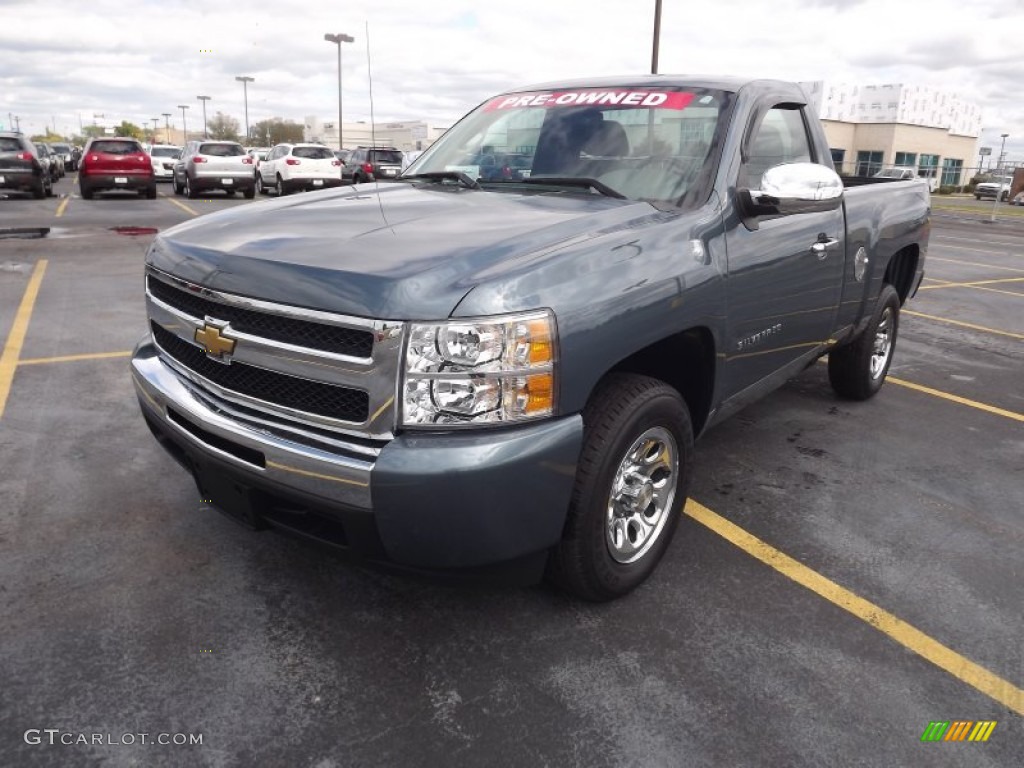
<point x="385" y="156"/>
<point x="649" y="144"/>
<point x="221" y="150"/>
<point x="165" y="151"/>
<point x="115" y="147"/>
<point x="313" y="153"/>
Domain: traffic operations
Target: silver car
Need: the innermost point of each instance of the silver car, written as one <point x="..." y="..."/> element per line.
<point x="207" y="165"/>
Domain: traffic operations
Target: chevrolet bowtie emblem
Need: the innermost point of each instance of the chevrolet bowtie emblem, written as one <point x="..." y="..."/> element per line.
<point x="214" y="344"/>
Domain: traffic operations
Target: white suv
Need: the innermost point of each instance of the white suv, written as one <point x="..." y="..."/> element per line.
<point x="207" y="165"/>
<point x="163" y="158"/>
<point x="291" y="167"/>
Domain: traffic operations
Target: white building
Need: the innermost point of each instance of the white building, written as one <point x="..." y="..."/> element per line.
<point x="407" y="136"/>
<point x="870" y="127"/>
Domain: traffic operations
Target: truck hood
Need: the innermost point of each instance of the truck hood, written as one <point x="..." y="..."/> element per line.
<point x="394" y="251"/>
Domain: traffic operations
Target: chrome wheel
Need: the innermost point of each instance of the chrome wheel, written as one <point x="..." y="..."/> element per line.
<point x="642" y="494"/>
<point x="882" y="347"/>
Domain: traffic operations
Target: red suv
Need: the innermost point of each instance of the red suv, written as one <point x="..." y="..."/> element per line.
<point x="118" y="163"/>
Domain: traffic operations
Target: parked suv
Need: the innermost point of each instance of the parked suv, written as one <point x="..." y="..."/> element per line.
<point x="50" y="160"/>
<point x="206" y="165"/>
<point x="291" y="167"/>
<point x="67" y="154"/>
<point x="163" y="157"/>
<point x="20" y="167"/>
<point x="115" y="163"/>
<point x="368" y="163"/>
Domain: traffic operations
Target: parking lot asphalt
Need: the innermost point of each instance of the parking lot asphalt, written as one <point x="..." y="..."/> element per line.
<point x="846" y="573"/>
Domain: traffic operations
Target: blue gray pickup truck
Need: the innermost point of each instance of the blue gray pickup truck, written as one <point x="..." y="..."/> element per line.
<point x="498" y="364"/>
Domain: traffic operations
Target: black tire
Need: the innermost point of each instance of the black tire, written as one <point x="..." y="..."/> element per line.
<point x="229" y="192"/>
<point x="39" y="190"/>
<point x="249" y="192"/>
<point x="279" y="187"/>
<point x="190" y="193"/>
<point x="178" y="188"/>
<point x="622" y="412"/>
<point x="977" y="197"/>
<point x="259" y="185"/>
<point x="857" y="370"/>
<point x="86" y="192"/>
<point x="151" y="192"/>
<point x="1004" y="197"/>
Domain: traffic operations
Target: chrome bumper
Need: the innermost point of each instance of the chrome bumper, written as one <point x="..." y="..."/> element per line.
<point x="173" y="403"/>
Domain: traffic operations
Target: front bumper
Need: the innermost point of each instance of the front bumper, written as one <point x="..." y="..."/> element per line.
<point x="442" y="501"/>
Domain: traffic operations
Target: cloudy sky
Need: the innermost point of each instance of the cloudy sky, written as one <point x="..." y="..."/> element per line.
<point x="66" y="60"/>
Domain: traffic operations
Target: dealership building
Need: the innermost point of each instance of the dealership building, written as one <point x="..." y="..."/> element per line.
<point x="871" y="127"/>
<point x="407" y="136"/>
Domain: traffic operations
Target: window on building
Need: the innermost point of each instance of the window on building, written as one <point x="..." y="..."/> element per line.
<point x="908" y="159"/>
<point x="838" y="157"/>
<point x="927" y="166"/>
<point x="869" y="163"/>
<point x="951" y="171"/>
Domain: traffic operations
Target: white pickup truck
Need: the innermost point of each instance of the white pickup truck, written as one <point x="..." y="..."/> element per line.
<point x="998" y="187"/>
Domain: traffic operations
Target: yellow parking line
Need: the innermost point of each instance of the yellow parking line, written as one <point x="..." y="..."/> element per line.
<point x="975" y="264"/>
<point x="16" y="338"/>
<point x="181" y="205"/>
<point x="62" y="206"/>
<point x="911" y="638"/>
<point x="965" y="325"/>
<point x="973" y="283"/>
<point x="957" y="399"/>
<point x="73" y="358"/>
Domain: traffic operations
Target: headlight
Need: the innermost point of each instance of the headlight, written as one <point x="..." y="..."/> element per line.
<point x="492" y="370"/>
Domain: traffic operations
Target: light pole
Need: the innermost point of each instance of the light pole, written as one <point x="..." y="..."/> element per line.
<point x="204" y="99"/>
<point x="999" y="165"/>
<point x="245" y="80"/>
<point x="155" y="120"/>
<point x="1002" y="147"/>
<point x="167" y="126"/>
<point x="338" y="39"/>
<point x="184" y="126"/>
<point x="657" y="37"/>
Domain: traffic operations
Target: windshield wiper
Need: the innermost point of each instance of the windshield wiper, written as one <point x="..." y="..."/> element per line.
<point x="575" y="181"/>
<point x="463" y="178"/>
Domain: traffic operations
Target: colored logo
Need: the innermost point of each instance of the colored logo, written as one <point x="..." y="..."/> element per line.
<point x="215" y="345"/>
<point x="958" y="730"/>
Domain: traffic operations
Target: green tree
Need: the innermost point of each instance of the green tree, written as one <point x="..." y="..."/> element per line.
<point x="49" y="137"/>
<point x="276" y="131"/>
<point x="223" y="127"/>
<point x="128" y="129"/>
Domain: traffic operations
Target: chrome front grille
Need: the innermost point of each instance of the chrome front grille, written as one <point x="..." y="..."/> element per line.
<point x="280" y="389"/>
<point x="308" y="372"/>
<point x="327" y="338"/>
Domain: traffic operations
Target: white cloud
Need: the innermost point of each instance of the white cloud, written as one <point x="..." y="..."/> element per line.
<point x="65" y="58"/>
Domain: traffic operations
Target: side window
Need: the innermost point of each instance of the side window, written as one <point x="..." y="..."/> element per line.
<point x="780" y="138"/>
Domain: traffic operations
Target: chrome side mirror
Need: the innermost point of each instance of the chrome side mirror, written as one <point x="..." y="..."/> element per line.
<point x="794" y="188"/>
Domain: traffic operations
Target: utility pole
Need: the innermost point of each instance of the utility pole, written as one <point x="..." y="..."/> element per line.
<point x="657" y="37"/>
<point x="184" y="127"/>
<point x="204" y="99"/>
<point x="245" y="80"/>
<point x="995" y="200"/>
<point x="338" y="39"/>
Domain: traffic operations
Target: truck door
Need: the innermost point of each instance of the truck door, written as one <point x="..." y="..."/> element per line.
<point x="784" y="276"/>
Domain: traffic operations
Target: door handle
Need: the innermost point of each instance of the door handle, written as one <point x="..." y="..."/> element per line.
<point x="823" y="246"/>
